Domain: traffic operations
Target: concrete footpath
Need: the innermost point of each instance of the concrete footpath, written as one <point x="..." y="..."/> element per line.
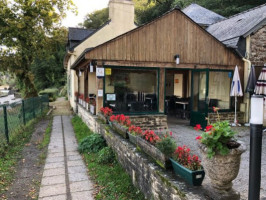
<point x="65" y="174"/>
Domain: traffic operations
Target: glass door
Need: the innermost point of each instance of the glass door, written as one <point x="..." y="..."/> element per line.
<point x="199" y="97"/>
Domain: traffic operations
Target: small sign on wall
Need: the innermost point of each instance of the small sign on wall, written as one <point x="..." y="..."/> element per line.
<point x="110" y="97"/>
<point x="100" y="72"/>
<point x="100" y="93"/>
<point x="108" y="71"/>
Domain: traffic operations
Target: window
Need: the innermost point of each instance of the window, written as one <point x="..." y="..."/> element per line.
<point x="131" y="90"/>
<point x="219" y="89"/>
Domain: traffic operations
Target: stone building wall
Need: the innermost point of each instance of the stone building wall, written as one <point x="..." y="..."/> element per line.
<point x="154" y="182"/>
<point x="229" y="116"/>
<point x="258" y="47"/>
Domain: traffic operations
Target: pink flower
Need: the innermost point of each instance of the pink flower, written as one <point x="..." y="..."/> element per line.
<point x="171" y="133"/>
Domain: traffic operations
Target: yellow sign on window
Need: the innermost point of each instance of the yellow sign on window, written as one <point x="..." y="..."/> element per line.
<point x="108" y="71"/>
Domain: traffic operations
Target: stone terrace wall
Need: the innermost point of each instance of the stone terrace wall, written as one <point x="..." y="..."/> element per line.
<point x="152" y="180"/>
<point x="258" y="47"/>
<point x="151" y="122"/>
<point x="229" y="116"/>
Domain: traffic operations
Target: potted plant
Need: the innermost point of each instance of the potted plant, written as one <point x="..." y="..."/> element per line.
<point x="104" y="114"/>
<point x="133" y="133"/>
<point x="158" y="147"/>
<point x="120" y="124"/>
<point x="187" y="166"/>
<point x="87" y="100"/>
<point x="76" y="96"/>
<point x="81" y="96"/>
<point x="221" y="153"/>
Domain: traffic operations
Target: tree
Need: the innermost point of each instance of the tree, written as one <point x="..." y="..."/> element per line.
<point x="24" y="28"/>
<point x="96" y="19"/>
<point x="147" y="10"/>
<point x="48" y="68"/>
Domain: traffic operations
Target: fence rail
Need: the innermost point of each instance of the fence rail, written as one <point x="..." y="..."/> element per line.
<point x="14" y="116"/>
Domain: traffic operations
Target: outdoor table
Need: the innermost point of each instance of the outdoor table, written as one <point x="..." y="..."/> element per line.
<point x="184" y="103"/>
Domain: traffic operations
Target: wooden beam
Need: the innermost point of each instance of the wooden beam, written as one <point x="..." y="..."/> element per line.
<point x="161" y="89"/>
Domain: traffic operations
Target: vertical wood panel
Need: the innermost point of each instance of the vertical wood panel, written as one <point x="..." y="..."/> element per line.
<point x="160" y="40"/>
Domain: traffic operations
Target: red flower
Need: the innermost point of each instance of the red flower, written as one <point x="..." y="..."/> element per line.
<point x="215" y="109"/>
<point x="198" y="137"/>
<point x="197" y="127"/>
<point x="171" y="133"/>
<point x="208" y="128"/>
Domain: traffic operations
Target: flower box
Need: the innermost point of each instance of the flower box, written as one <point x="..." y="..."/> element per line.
<point x="194" y="178"/>
<point x="132" y="138"/>
<point x="154" y="152"/>
<point x="102" y="118"/>
<point x="122" y="130"/>
<point x="92" y="109"/>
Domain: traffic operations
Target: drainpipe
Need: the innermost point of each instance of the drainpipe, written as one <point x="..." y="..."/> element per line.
<point x="249" y="67"/>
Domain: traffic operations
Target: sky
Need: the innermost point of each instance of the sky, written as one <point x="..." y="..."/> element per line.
<point x="84" y="7"/>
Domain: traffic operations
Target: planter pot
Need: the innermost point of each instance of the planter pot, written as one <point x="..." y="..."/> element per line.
<point x="92" y="109"/>
<point x="194" y="178"/>
<point x="154" y="152"/>
<point x="222" y="170"/>
<point x="120" y="129"/>
<point x="84" y="104"/>
<point x="132" y="138"/>
<point x="102" y="118"/>
<point x="87" y="106"/>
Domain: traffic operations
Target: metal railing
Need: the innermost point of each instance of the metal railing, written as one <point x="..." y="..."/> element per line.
<point x="14" y="116"/>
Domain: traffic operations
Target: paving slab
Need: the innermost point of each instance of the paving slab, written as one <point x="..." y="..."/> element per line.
<point x="65" y="174"/>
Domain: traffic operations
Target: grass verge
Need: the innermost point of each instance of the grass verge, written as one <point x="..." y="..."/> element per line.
<point x="112" y="182"/>
<point x="10" y="154"/>
<point x="45" y="141"/>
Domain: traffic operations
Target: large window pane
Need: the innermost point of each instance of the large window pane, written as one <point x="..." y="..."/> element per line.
<point x="131" y="90"/>
<point x="219" y="89"/>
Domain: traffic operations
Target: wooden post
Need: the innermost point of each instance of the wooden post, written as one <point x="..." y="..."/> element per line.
<point x="161" y="90"/>
<point x="6" y="124"/>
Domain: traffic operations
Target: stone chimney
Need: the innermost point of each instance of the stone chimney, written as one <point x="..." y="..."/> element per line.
<point x="121" y="12"/>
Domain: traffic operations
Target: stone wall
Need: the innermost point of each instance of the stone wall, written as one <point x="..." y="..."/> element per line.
<point x="258" y="47"/>
<point x="155" y="182"/>
<point x="151" y="122"/>
<point x="229" y="116"/>
<point x="87" y="117"/>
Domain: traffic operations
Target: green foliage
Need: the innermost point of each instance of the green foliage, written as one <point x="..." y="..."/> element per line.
<point x="93" y="144"/>
<point x="112" y="180"/>
<point x="81" y="128"/>
<point x="167" y="146"/>
<point x="96" y="19"/>
<point x="51" y="92"/>
<point x="147" y="10"/>
<point x="106" y="155"/>
<point x="217" y="138"/>
<point x="48" y="68"/>
<point x="25" y="27"/>
<point x="10" y="154"/>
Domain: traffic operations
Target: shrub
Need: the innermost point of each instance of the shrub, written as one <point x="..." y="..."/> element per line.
<point x="106" y="155"/>
<point x="93" y="144"/>
<point x="51" y="92"/>
<point x="166" y="145"/>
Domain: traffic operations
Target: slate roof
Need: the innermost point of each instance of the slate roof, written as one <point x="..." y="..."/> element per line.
<point x="243" y="24"/>
<point x="202" y="16"/>
<point x="76" y="35"/>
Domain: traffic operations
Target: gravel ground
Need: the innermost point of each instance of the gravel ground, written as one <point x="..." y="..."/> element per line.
<point x="185" y="135"/>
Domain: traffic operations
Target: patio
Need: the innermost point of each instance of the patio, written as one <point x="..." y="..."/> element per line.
<point x="185" y="135"/>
